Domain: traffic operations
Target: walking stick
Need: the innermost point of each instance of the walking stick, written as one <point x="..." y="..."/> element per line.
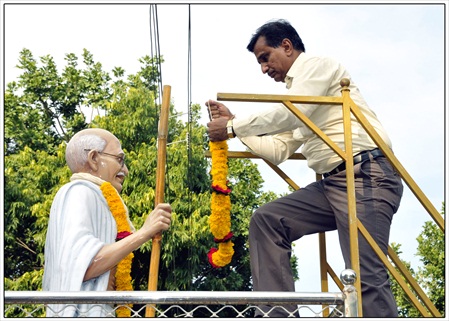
<point x="160" y="186"/>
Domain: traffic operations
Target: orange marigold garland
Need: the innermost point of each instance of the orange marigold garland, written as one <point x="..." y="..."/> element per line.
<point x="123" y="279"/>
<point x="220" y="217"/>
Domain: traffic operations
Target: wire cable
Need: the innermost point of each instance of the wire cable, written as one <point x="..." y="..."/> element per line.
<point x="190" y="126"/>
<point x="155" y="48"/>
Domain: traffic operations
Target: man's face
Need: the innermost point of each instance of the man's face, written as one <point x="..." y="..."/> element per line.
<point x="110" y="162"/>
<point x="273" y="61"/>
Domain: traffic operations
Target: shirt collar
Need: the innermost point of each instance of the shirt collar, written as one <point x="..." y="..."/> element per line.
<point x="292" y="71"/>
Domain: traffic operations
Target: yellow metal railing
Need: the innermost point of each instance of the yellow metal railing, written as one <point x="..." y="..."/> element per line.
<point x="349" y="107"/>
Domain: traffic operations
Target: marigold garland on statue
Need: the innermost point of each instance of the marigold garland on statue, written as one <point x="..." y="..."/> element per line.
<point x="123" y="279"/>
<point x="220" y="217"/>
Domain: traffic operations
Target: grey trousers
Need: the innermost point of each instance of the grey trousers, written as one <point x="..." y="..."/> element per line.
<point x="320" y="207"/>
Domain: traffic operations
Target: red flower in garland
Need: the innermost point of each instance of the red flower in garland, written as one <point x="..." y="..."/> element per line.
<point x="218" y="189"/>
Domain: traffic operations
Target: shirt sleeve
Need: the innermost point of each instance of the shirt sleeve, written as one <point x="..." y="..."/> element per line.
<point x="270" y="121"/>
<point x="274" y="148"/>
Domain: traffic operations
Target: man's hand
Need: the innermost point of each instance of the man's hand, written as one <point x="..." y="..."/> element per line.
<point x="218" y="110"/>
<point x="219" y="115"/>
<point x="217" y="129"/>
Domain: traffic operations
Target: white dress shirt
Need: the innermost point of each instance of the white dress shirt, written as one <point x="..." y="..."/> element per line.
<point x="276" y="133"/>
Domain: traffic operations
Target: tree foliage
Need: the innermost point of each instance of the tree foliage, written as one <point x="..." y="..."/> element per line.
<point x="45" y="107"/>
<point x="404" y="304"/>
<point x="430" y="276"/>
<point x="431" y="249"/>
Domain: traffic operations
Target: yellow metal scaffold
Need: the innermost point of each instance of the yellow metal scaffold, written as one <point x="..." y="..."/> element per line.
<point x="349" y="107"/>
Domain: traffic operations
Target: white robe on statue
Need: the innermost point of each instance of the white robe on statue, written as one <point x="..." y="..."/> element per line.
<point x="80" y="225"/>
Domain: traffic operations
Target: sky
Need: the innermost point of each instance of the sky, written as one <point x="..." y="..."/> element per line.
<point x="394" y="52"/>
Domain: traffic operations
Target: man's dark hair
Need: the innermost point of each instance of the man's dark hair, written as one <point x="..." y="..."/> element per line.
<point x="274" y="32"/>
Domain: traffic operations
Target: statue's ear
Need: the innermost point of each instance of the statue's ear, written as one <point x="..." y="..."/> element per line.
<point x="93" y="160"/>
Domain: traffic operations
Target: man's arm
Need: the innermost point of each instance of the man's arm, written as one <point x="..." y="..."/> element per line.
<point x="111" y="254"/>
<point x="274" y="148"/>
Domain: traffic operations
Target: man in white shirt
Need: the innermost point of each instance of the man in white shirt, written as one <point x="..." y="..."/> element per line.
<point x="276" y="133"/>
<point x="83" y="246"/>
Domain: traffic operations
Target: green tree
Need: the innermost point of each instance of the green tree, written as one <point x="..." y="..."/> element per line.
<point x="431" y="249"/>
<point x="405" y="306"/>
<point x="430" y="276"/>
<point x="43" y="109"/>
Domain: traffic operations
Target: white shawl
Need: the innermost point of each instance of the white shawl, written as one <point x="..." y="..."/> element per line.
<point x="80" y="225"/>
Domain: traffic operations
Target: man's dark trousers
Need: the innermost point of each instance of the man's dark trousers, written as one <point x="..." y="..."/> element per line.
<point x="320" y="207"/>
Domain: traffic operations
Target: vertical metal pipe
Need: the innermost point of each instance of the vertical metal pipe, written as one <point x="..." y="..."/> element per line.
<point x="348" y="278"/>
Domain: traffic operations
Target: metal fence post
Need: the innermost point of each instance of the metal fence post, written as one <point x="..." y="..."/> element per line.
<point x="348" y="278"/>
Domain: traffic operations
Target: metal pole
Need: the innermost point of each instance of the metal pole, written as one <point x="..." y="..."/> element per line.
<point x="348" y="277"/>
<point x="352" y="212"/>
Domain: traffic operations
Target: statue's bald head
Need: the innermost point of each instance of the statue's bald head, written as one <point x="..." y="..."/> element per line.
<point x="91" y="138"/>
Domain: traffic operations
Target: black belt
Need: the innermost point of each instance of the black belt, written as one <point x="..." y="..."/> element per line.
<point x="357" y="159"/>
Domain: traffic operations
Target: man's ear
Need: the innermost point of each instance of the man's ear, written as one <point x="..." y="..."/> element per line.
<point x="288" y="46"/>
<point x="92" y="160"/>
